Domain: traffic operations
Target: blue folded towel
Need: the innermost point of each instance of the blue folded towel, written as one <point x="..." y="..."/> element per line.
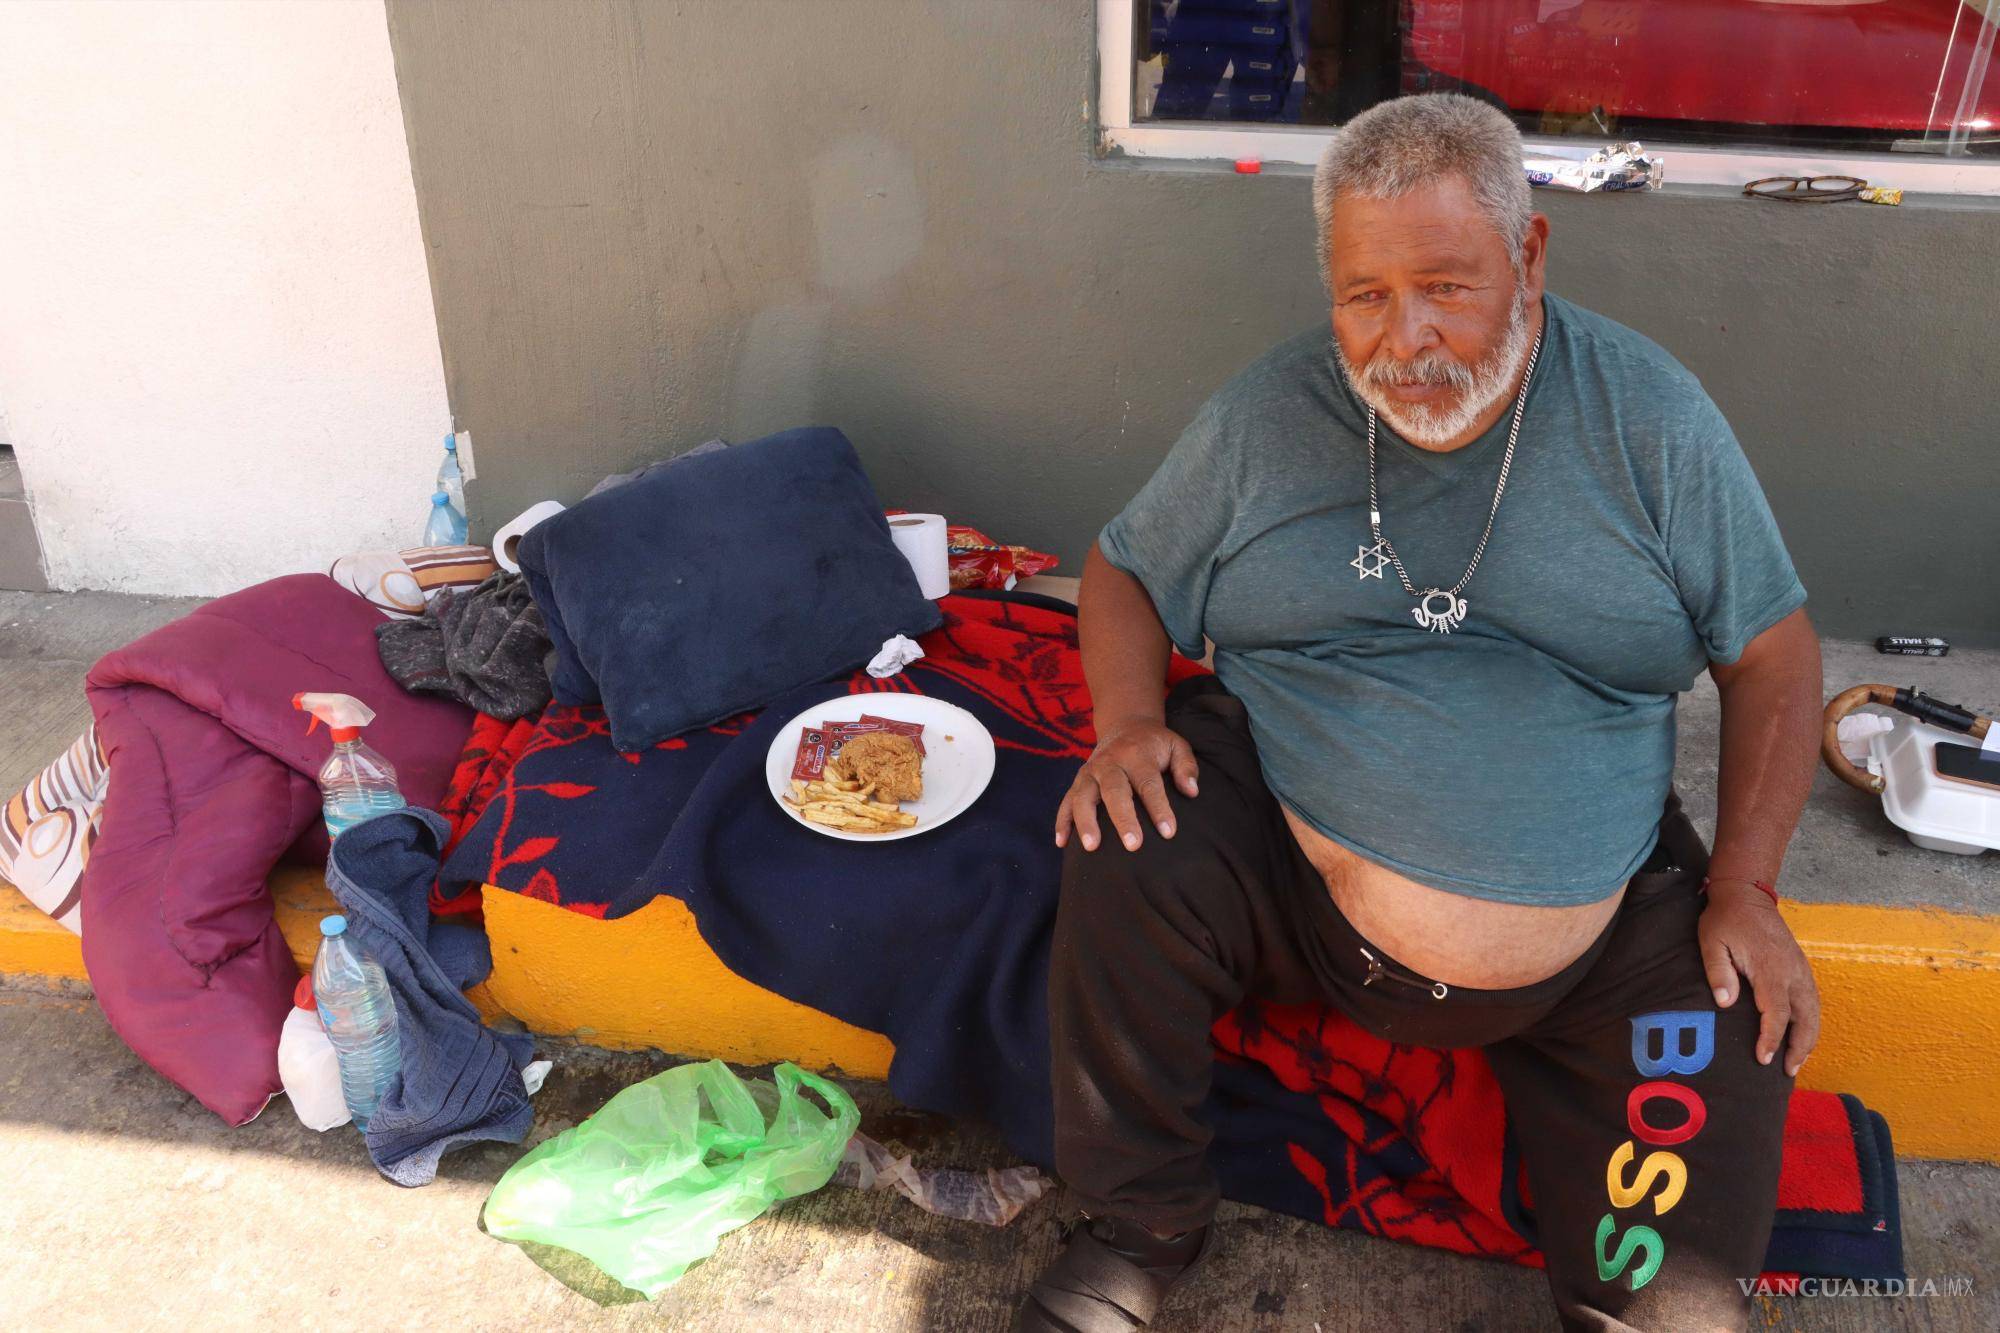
<point x="461" y="1080"/>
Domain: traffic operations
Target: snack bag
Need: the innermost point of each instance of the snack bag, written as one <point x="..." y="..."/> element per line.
<point x="977" y="561"/>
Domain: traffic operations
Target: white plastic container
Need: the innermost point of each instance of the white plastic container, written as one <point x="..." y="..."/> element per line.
<point x="1936" y="812"/>
<point x="308" y="1066"/>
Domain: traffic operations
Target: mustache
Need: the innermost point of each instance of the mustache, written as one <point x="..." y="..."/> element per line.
<point x="1427" y="369"/>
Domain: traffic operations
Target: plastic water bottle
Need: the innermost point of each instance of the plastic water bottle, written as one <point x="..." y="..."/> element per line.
<point x="450" y="480"/>
<point x="308" y="1065"/>
<point x="356" y="782"/>
<point x="360" y="1017"/>
<point x="446" y="526"/>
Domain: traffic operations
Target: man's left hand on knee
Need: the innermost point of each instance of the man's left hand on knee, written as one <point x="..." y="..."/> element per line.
<point x="1743" y="937"/>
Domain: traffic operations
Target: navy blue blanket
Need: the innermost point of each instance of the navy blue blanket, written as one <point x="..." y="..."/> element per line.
<point x="965" y="912"/>
<point x="941" y="942"/>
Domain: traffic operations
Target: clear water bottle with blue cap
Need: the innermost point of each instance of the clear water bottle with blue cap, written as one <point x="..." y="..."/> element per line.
<point x="450" y="480"/>
<point x="446" y="526"/>
<point x="359" y="1012"/>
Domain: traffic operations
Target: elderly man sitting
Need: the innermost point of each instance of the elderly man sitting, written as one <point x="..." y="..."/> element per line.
<point x="1455" y="563"/>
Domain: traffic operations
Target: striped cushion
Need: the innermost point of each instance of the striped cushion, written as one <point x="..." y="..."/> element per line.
<point x="400" y="582"/>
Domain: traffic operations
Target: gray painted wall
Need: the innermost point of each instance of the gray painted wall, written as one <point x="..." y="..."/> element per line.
<point x="653" y="223"/>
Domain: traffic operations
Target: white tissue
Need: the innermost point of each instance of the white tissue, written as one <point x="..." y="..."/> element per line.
<point x="1854" y="731"/>
<point x="534" y="1073"/>
<point x="896" y="654"/>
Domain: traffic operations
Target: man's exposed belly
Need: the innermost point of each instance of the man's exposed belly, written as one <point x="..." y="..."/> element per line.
<point x="1449" y="937"/>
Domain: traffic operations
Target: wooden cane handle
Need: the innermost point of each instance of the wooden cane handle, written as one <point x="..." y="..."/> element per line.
<point x="1829" y="742"/>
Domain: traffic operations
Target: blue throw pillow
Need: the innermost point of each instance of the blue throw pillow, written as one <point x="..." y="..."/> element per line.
<point x="711" y="587"/>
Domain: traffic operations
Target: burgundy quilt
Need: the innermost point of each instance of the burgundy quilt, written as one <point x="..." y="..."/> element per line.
<point x="212" y="780"/>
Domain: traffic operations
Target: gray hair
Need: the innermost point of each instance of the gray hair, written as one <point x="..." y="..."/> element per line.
<point x="1397" y="146"/>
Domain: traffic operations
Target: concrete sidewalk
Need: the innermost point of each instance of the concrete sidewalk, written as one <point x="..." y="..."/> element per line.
<point x="131" y="1206"/>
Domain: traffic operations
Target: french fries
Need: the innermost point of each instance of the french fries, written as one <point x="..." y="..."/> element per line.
<point x="843" y="803"/>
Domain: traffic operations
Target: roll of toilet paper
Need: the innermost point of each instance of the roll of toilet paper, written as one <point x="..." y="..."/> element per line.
<point x="920" y="537"/>
<point x="508" y="539"/>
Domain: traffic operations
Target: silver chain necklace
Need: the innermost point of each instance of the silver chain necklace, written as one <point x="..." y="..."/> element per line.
<point x="1439" y="609"/>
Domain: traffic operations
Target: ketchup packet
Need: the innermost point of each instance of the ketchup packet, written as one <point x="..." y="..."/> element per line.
<point x="815" y="748"/>
<point x="818" y="745"/>
<point x="914" y="730"/>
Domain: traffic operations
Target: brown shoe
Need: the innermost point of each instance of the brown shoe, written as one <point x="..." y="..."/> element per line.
<point x="1111" y="1277"/>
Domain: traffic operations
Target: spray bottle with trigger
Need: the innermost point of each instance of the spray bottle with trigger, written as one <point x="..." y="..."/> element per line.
<point x="356" y="783"/>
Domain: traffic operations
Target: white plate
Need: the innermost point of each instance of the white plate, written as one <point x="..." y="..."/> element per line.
<point x="958" y="757"/>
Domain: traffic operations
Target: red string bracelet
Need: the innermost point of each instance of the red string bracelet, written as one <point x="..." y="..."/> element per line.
<point x="1770" y="889"/>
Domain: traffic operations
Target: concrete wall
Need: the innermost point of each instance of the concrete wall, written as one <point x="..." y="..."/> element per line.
<point x="651" y="223"/>
<point x="216" y="341"/>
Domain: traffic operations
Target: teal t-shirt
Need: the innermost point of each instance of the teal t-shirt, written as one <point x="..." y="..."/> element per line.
<point x="1526" y="756"/>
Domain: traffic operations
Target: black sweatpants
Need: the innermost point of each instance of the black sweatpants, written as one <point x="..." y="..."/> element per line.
<point x="1650" y="1134"/>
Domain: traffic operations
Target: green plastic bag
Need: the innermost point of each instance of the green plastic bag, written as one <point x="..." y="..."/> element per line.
<point x="649" y="1185"/>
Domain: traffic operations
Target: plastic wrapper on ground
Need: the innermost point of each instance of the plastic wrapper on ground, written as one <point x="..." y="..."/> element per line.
<point x="994" y="1197"/>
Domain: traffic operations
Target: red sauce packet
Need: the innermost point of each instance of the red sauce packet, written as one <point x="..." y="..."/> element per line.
<point x="815" y="748"/>
<point x="914" y="730"/>
<point x="818" y="745"/>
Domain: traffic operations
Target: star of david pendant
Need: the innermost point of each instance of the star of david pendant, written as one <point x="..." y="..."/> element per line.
<point x="1370" y="560"/>
<point x="1443" y="620"/>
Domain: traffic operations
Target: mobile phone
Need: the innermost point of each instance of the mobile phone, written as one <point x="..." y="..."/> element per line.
<point x="1967" y="763"/>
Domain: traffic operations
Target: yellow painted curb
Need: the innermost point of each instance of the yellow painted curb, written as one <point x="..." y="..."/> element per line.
<point x="649" y="979"/>
<point x="1911" y="998"/>
<point x="1910" y="1007"/>
<point x="32" y="944"/>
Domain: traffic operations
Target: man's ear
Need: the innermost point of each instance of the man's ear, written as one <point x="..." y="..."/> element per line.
<point x="1534" y="255"/>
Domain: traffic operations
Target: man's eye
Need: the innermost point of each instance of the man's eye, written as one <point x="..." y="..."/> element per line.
<point x="1445" y="288"/>
<point x="1366" y="298"/>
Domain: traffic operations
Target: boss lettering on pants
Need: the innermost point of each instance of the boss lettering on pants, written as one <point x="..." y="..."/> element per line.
<point x="1672" y="1042"/>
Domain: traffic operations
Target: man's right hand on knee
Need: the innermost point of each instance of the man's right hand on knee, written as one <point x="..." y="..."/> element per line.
<point x="1125" y="773"/>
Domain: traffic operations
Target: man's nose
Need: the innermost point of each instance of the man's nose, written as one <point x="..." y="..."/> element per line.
<point x="1408" y="332"/>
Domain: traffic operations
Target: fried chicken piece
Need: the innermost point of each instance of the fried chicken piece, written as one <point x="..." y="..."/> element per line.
<point x="889" y="761"/>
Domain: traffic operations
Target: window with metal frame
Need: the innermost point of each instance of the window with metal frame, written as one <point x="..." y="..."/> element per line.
<point x="1729" y="90"/>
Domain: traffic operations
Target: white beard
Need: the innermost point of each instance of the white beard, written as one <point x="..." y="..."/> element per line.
<point x="1435" y="425"/>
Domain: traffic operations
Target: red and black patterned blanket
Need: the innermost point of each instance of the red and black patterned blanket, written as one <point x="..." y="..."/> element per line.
<point x="941" y="942"/>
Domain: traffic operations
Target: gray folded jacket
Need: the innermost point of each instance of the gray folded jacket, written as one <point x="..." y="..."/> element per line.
<point x="484" y="647"/>
<point x="617" y="479"/>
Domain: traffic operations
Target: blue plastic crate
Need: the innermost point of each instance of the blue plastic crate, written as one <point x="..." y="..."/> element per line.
<point x="1187" y="96"/>
<point x="1255" y="99"/>
<point x="1250" y="31"/>
<point x="1278" y="9"/>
